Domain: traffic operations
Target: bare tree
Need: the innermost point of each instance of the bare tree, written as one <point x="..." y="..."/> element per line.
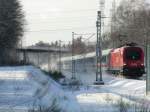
<point x="79" y="46"/>
<point x="131" y="22"/>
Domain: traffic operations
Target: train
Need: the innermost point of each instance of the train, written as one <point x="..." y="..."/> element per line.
<point x="126" y="60"/>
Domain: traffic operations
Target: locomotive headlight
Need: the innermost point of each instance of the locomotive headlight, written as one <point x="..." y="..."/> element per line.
<point x="124" y="64"/>
<point x="142" y="64"/>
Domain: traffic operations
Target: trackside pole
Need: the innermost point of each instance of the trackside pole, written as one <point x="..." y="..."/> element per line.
<point x="148" y="70"/>
<point x="99" y="80"/>
<point x="73" y="60"/>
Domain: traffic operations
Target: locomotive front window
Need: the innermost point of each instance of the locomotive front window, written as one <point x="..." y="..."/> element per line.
<point x="133" y="55"/>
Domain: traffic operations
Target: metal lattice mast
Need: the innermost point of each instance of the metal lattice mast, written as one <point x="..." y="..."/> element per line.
<point x="60" y="56"/>
<point x="73" y="61"/>
<point x="98" y="49"/>
<point x="102" y="8"/>
<point x="99" y="22"/>
<point x="148" y="70"/>
<point x="73" y="51"/>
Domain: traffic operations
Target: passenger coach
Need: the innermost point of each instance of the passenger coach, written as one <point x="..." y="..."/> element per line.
<point x="126" y="60"/>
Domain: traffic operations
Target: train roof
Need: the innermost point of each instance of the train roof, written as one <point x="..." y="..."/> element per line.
<point x="87" y="55"/>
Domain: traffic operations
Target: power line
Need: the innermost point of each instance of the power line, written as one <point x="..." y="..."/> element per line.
<point x="83" y="34"/>
<point x="64" y="17"/>
<point x="60" y="29"/>
<point x="62" y="21"/>
<point x="65" y="11"/>
<point x="53" y="30"/>
<point x="91" y="36"/>
<point x="70" y="18"/>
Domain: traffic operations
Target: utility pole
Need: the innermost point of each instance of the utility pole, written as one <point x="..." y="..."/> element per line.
<point x="148" y="70"/>
<point x="73" y="60"/>
<point x="73" y="51"/>
<point x="147" y="59"/>
<point x="85" y="50"/>
<point x="99" y="80"/>
<point x="60" y="56"/>
<point x="38" y="59"/>
<point x="49" y="59"/>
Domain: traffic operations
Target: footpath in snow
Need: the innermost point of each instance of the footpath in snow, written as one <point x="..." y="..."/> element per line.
<point x="25" y="88"/>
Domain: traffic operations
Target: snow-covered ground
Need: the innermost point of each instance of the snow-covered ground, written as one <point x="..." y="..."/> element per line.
<point x="24" y="88"/>
<point x="99" y="98"/>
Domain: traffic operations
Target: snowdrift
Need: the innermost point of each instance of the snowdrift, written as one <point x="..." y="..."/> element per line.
<point x="24" y="88"/>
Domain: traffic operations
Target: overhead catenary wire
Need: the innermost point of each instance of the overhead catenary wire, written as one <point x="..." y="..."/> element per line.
<point x="63" y="29"/>
<point x="92" y="34"/>
<point x="70" y="17"/>
<point x="82" y="52"/>
<point x="67" y="20"/>
<point x="83" y="33"/>
<point x="47" y="30"/>
<point x="64" y="11"/>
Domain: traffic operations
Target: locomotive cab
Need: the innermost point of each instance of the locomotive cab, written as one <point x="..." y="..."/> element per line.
<point x="133" y="59"/>
<point x="127" y="60"/>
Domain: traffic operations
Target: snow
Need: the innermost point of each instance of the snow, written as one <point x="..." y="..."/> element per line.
<point x="105" y="98"/>
<point x="26" y="87"/>
<point x="100" y="102"/>
<point x="113" y="83"/>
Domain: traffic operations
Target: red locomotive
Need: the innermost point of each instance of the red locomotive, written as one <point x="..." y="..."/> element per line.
<point x="127" y="60"/>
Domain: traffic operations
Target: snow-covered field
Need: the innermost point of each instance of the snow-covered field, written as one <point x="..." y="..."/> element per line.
<point x="25" y="88"/>
<point x="101" y="98"/>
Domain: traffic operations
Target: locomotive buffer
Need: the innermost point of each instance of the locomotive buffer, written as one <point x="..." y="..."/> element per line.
<point x="99" y="80"/>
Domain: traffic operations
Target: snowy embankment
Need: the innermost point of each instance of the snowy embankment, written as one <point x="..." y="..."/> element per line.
<point x="24" y="88"/>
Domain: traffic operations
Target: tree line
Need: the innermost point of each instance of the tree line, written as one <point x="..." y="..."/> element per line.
<point x="79" y="46"/>
<point x="130" y="23"/>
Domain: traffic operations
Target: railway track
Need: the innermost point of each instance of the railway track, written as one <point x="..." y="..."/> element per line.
<point x="127" y="77"/>
<point x="89" y="77"/>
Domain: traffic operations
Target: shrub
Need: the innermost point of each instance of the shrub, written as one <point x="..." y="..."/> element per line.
<point x="53" y="108"/>
<point x="54" y="75"/>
